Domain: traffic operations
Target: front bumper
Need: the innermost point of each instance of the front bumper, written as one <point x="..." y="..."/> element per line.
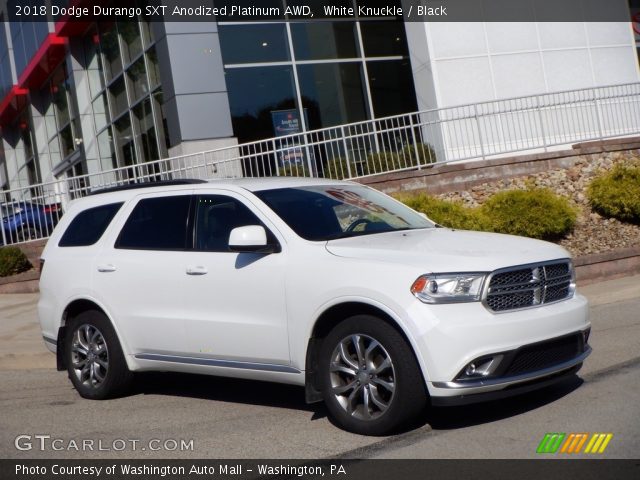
<point x="491" y="389"/>
<point x="509" y="391"/>
<point x="449" y="337"/>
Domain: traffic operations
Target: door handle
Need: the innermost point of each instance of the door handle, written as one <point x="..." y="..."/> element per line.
<point x="197" y="270"/>
<point x="106" y="268"/>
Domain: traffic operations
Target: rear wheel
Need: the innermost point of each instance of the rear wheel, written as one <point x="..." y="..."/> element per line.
<point x="27" y="233"/>
<point x="371" y="382"/>
<point x="95" y="361"/>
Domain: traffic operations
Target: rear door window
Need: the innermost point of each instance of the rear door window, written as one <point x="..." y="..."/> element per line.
<point x="159" y="223"/>
<point x="89" y="225"/>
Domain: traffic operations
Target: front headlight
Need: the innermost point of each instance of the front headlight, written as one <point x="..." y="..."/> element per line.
<point x="449" y="287"/>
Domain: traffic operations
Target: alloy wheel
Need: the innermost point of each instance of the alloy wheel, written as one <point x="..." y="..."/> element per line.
<point x="362" y="377"/>
<point x="89" y="355"/>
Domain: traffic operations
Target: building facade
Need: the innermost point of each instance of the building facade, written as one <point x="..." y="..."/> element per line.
<point x="79" y="97"/>
<point x="461" y="63"/>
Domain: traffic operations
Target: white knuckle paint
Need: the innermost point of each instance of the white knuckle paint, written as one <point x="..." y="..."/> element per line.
<point x="251" y="315"/>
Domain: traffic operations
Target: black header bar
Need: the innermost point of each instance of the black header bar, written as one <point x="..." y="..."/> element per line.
<point x="314" y="10"/>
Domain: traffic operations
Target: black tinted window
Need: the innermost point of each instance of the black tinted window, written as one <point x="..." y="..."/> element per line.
<point x="216" y="216"/>
<point x="89" y="225"/>
<point x="157" y="224"/>
<point x="339" y="211"/>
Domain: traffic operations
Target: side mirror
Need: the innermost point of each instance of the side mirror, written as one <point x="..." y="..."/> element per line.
<point x="251" y="238"/>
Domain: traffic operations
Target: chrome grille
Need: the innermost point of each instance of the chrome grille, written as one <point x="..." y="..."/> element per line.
<point x="529" y="286"/>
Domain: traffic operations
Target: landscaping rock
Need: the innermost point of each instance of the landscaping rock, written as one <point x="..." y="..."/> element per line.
<point x="592" y="233"/>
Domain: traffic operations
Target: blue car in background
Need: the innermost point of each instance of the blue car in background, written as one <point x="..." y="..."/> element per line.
<point x="22" y="221"/>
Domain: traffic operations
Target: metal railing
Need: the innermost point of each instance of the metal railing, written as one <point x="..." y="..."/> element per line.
<point x="410" y="141"/>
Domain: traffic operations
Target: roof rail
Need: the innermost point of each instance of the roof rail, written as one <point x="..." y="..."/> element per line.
<point x="160" y="183"/>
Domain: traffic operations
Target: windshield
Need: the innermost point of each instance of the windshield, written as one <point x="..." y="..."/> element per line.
<point x="339" y="211"/>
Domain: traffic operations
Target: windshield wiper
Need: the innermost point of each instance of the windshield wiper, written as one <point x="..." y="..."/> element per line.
<point x="338" y="236"/>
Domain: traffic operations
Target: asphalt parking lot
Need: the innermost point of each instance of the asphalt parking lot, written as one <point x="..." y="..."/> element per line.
<point x="222" y="418"/>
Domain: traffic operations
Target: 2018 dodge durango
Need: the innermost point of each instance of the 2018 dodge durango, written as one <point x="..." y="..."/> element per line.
<point x="334" y="286"/>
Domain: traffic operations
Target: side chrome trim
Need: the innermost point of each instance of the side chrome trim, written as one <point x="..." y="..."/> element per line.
<point x="211" y="362"/>
<point x="50" y="340"/>
<point x="477" y="386"/>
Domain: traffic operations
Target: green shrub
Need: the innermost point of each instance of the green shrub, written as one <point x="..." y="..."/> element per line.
<point x="536" y="213"/>
<point x="447" y="213"/>
<point x="617" y="193"/>
<point x="300" y="170"/>
<point x="386" y="161"/>
<point x="382" y="162"/>
<point x="12" y="261"/>
<point x="336" y="168"/>
<point x="379" y="162"/>
<point x="426" y="154"/>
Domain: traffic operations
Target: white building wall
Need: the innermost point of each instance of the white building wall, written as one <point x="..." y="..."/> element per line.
<point x="477" y="62"/>
<point x="470" y="63"/>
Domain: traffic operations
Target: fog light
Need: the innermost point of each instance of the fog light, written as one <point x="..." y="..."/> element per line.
<point x="481" y="367"/>
<point x="585" y="335"/>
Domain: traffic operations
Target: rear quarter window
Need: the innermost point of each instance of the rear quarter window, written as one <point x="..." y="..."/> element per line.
<point x="89" y="225"/>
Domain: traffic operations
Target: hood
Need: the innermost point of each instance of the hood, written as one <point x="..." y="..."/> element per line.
<point x="445" y="250"/>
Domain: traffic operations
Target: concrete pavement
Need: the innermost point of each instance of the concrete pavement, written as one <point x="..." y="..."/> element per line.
<point x="21" y="344"/>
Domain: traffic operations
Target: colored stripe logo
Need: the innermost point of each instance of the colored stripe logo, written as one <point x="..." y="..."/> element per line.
<point x="550" y="443"/>
<point x="573" y="443"/>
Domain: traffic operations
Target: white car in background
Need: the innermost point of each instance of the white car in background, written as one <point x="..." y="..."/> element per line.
<point x="329" y="285"/>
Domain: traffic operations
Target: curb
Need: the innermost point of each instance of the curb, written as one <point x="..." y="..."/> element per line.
<point x="608" y="265"/>
<point x="26" y="282"/>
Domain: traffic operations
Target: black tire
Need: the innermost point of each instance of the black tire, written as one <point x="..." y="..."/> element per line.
<point x="378" y="410"/>
<point x="90" y="336"/>
<point x="26" y="233"/>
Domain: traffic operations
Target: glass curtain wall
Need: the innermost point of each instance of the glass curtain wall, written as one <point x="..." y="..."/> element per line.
<point x="21" y="138"/>
<point x="6" y="77"/>
<point x="330" y="72"/>
<point x="126" y="94"/>
<point x="60" y="119"/>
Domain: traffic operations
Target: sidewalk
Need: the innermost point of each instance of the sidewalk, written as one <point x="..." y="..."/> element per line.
<point x="22" y="347"/>
<point x="21" y="344"/>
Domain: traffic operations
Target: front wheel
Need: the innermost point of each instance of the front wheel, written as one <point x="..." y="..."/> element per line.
<point x="95" y="361"/>
<point x="371" y="382"/>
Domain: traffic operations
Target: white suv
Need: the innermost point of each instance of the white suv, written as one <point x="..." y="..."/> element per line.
<point x="329" y="285"/>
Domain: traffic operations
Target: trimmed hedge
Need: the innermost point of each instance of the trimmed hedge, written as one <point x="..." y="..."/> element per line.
<point x="617" y="194"/>
<point x="300" y="170"/>
<point x="381" y="162"/>
<point x="426" y="153"/>
<point x="447" y="213"/>
<point x="336" y="168"/>
<point x="536" y="213"/>
<point x="13" y="261"/>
